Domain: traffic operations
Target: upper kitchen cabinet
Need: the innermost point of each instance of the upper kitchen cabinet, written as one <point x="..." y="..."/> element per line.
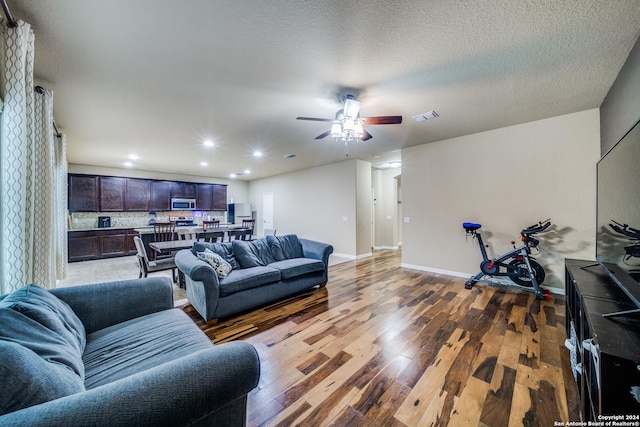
<point x="219" y="197"/>
<point x="204" y="197"/>
<point x="183" y="190"/>
<point x="136" y="195"/>
<point x="83" y="193"/>
<point x="160" y="196"/>
<point x="111" y="194"/>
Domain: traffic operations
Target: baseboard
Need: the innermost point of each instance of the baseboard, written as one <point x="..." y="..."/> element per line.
<point x="393" y="248"/>
<point x="349" y="256"/>
<point x="435" y="270"/>
<point x="494" y="280"/>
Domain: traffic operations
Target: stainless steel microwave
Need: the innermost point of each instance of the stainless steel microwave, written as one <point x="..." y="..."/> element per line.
<point x="183" y="204"/>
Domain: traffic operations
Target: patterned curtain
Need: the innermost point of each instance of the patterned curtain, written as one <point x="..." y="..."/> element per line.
<point x="31" y="160"/>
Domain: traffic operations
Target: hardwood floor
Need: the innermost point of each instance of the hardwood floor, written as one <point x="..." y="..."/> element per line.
<point x="387" y="346"/>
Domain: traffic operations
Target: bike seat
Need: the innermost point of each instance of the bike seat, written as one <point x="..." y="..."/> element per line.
<point x="471" y="226"/>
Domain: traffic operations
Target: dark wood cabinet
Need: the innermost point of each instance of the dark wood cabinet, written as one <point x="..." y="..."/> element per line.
<point x="83" y="193"/>
<point x="111" y="194"/>
<point x="112" y="243"/>
<point x="82" y="245"/>
<point x="159" y="196"/>
<point x="136" y="195"/>
<point x="183" y="190"/>
<point x="204" y="197"/>
<point x="92" y="193"/>
<point x="219" y="197"/>
<point x="98" y="244"/>
<point x="604" y="351"/>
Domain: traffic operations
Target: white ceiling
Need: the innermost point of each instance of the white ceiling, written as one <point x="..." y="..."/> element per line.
<point x="157" y="77"/>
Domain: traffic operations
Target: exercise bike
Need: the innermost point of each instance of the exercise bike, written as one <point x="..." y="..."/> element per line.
<point x="517" y="264"/>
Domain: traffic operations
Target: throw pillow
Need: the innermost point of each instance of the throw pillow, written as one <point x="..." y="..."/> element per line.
<point x="252" y="254"/>
<point x="285" y="247"/>
<point x="221" y="267"/>
<point x="223" y="249"/>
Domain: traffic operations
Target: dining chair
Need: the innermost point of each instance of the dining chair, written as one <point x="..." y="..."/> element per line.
<point x="163" y="232"/>
<point x="187" y="234"/>
<point x="239" y="234"/>
<point x="210" y="224"/>
<point x="251" y="224"/>
<point x="210" y="236"/>
<point x="147" y="266"/>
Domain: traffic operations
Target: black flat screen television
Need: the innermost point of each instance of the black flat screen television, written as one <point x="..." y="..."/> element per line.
<point x="618" y="215"/>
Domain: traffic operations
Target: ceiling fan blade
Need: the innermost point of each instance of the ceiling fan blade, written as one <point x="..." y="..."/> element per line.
<point x="323" y="135"/>
<point x="315" y="119"/>
<point x="365" y="136"/>
<point x="382" y="120"/>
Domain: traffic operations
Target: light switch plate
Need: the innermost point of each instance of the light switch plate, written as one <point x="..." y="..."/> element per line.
<point x="407" y="219"/>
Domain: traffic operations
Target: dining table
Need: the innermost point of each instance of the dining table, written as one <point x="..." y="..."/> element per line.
<point x="171" y="245"/>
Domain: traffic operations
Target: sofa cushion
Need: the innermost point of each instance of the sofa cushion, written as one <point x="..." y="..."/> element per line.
<point x="252" y="254"/>
<point x="285" y="247"/>
<point x="45" y="308"/>
<point x="222" y="267"/>
<point x="248" y="278"/>
<point x="225" y="250"/>
<point x="28" y="379"/>
<point x="297" y="267"/>
<point x="139" y="344"/>
<point x="41" y="342"/>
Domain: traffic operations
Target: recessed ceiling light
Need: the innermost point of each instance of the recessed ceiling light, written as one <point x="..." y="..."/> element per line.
<point x="247" y="171"/>
<point x="208" y="143"/>
<point x="204" y="164"/>
<point x="257" y="153"/>
<point x="233" y="175"/>
<point x="128" y="164"/>
<point x="289" y="156"/>
<point x="133" y="156"/>
<point x="395" y="164"/>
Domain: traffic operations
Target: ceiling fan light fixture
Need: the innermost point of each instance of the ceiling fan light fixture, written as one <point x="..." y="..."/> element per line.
<point x="336" y="130"/>
<point x="358" y="129"/>
<point x="351" y="108"/>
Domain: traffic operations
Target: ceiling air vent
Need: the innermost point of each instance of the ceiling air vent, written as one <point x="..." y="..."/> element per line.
<point x="426" y="116"/>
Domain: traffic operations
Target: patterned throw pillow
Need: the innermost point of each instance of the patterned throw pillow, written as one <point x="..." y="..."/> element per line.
<point x="222" y="267"/>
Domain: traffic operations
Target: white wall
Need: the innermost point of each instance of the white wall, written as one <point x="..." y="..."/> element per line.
<point x="505" y="179"/>
<point x="313" y="203"/>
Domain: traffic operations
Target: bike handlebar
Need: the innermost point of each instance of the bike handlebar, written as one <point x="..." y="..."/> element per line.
<point x="625" y="230"/>
<point x="537" y="228"/>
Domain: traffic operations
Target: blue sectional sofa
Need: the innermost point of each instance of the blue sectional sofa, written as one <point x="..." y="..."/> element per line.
<point x="256" y="272"/>
<point x="116" y="354"/>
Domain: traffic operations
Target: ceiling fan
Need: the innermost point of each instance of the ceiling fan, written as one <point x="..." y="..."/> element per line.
<point x="347" y="125"/>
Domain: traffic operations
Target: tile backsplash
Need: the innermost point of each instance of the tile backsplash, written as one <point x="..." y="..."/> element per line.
<point x="89" y="220"/>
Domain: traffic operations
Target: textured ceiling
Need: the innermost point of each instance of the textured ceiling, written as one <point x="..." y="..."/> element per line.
<point x="157" y="77"/>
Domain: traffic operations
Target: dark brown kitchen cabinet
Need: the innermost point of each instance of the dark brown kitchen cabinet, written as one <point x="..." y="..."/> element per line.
<point x="83" y="193"/>
<point x="136" y="196"/>
<point x="112" y="243"/>
<point x="219" y="197"/>
<point x="159" y="196"/>
<point x="183" y="190"/>
<point x="82" y="245"/>
<point x="204" y="197"/>
<point x="98" y="244"/>
<point x="111" y="194"/>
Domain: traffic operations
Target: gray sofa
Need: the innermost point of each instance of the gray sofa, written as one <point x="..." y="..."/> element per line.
<point x="262" y="271"/>
<point x="116" y="354"/>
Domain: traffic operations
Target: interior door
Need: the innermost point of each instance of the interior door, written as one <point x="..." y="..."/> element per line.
<point x="267" y="211"/>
